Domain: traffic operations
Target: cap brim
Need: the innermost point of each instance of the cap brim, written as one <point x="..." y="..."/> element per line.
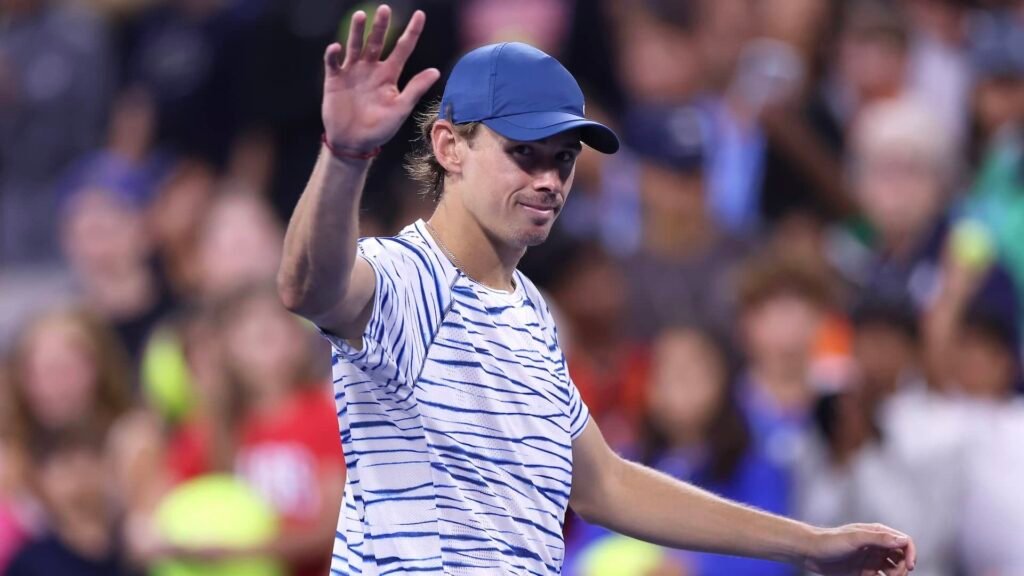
<point x="533" y="126"/>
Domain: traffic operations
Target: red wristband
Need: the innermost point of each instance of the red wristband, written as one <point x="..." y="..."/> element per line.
<point x="343" y="154"/>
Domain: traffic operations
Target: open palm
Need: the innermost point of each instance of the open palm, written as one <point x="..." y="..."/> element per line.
<point x="362" y="105"/>
<point x="863" y="550"/>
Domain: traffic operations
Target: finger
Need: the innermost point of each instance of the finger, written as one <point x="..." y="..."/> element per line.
<point x="332" y="59"/>
<point x="407" y="43"/>
<point x="417" y="87"/>
<point x="883" y="538"/>
<point x="374" y="45"/>
<point x="356" y="29"/>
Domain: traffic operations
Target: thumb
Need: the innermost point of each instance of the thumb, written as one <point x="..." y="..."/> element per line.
<point x="417" y="87"/>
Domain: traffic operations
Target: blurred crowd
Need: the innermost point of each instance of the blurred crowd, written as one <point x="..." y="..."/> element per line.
<point x="799" y="285"/>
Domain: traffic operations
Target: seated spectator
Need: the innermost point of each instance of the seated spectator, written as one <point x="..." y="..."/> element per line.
<point x="871" y="429"/>
<point x="67" y="370"/>
<point x="997" y="193"/>
<point x="68" y="472"/>
<point x="110" y="252"/>
<point x="694" y="431"/>
<point x="682" y="272"/>
<point x="268" y="418"/>
<point x="782" y="306"/>
<point x="239" y="244"/>
<point x="608" y="366"/>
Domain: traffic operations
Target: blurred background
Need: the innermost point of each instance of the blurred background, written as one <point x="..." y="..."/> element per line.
<point x="799" y="285"/>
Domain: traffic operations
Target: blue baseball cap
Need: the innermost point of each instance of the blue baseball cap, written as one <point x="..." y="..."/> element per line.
<point x="521" y="93"/>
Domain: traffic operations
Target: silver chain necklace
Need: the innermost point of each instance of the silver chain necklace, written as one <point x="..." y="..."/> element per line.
<point x="451" y="257"/>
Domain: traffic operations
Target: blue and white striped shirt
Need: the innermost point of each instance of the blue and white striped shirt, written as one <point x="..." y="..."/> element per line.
<point x="457" y="418"/>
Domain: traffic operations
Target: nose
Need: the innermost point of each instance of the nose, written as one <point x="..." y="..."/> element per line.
<point x="548" y="180"/>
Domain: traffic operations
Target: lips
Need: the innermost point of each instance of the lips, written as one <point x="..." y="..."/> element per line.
<point x="540" y="207"/>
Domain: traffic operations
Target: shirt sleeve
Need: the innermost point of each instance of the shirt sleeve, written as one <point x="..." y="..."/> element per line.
<point x="576" y="409"/>
<point x="409" y="301"/>
<point x="579" y="414"/>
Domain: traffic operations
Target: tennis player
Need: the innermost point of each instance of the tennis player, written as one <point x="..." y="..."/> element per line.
<point x="464" y="436"/>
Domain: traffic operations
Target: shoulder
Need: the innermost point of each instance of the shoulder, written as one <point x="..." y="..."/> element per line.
<point x="410" y="242"/>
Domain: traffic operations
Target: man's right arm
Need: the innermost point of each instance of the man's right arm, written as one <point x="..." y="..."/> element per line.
<point x="320" y="276"/>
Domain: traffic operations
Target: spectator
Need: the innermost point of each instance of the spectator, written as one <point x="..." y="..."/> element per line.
<point x="997" y="197"/>
<point x="682" y="272"/>
<point x="67" y="370"/>
<point x="871" y="429"/>
<point x="110" y="252"/>
<point x="782" y="305"/>
<point x="240" y="243"/>
<point x="608" y="366"/>
<point x="272" y="423"/>
<point x="902" y="172"/>
<point x="694" y="431"/>
<point x="68" y="471"/>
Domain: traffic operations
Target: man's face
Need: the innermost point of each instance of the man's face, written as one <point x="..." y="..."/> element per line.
<point x="514" y="189"/>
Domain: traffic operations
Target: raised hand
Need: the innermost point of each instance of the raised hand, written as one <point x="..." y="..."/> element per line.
<point x="362" y="106"/>
<point x="862" y="550"/>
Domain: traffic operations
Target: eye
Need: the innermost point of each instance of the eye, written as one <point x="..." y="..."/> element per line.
<point x="566" y="157"/>
<point x="522" y="150"/>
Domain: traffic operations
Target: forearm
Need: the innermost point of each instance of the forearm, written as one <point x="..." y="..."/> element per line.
<point x="651" y="506"/>
<point x="320" y="243"/>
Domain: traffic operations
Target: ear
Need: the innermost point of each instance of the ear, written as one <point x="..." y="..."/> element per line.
<point x="445" y="141"/>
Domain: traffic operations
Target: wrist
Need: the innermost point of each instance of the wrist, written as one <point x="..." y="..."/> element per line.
<point x="347" y="154"/>
<point x="805" y="545"/>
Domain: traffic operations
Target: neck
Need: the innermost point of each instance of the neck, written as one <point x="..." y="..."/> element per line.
<point x="474" y="250"/>
<point x="785" y="382"/>
<point x="88" y="537"/>
<point x="121" y="293"/>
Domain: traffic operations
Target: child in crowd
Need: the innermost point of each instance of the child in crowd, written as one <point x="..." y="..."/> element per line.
<point x="782" y="306"/>
<point x="68" y="474"/>
<point x="695" y="431"/>
<point x="265" y="416"/>
<point x="67" y="369"/>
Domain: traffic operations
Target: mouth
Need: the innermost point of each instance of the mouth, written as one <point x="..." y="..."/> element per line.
<point x="543" y="210"/>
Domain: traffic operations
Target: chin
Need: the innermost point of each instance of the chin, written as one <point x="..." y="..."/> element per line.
<point x="532" y="235"/>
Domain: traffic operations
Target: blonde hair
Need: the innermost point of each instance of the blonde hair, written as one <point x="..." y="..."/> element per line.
<point x="421" y="164"/>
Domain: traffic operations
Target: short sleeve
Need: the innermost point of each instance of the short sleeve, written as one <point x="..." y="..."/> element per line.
<point x="576" y="409"/>
<point x="408" y="303"/>
<point x="579" y="414"/>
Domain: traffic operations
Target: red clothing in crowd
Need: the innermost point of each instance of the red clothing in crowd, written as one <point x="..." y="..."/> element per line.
<point x="613" y="389"/>
<point x="281" y="455"/>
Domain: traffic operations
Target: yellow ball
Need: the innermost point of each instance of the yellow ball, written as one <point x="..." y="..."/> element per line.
<point x="972" y="244"/>
<point x="620" y="556"/>
<point x="217" y="511"/>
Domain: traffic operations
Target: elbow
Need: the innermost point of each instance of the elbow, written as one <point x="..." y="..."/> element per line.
<point x="302" y="299"/>
<point x="590" y="499"/>
<point x="293" y="296"/>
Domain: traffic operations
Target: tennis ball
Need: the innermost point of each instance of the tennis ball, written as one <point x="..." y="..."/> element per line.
<point x="972" y="244"/>
<point x="166" y="380"/>
<point x="218" y="511"/>
<point x="620" y="556"/>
